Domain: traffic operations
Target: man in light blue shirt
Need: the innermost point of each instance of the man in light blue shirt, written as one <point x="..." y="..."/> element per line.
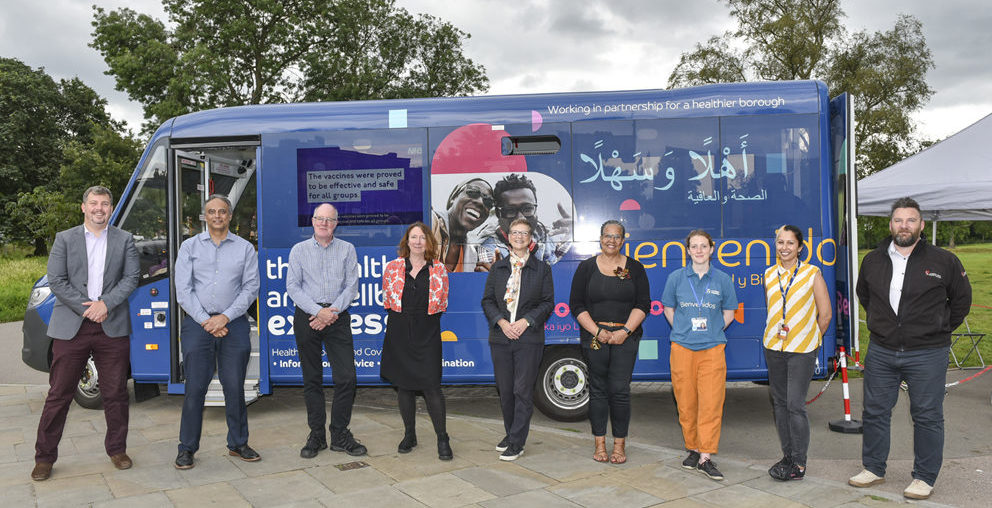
<point x="322" y="280"/>
<point x="216" y="281"/>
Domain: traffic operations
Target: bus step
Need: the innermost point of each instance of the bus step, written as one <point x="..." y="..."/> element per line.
<point x="215" y="393"/>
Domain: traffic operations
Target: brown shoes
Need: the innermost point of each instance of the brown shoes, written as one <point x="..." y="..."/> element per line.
<point x="121" y="461"/>
<point x="41" y="471"/>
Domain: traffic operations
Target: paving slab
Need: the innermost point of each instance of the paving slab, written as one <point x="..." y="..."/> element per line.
<point x="500" y="481"/>
<point x="352" y="480"/>
<point x="281" y="489"/>
<point x="598" y="491"/>
<point x="214" y="494"/>
<point x="378" y="497"/>
<point x="144" y="480"/>
<point x="742" y="496"/>
<point x="564" y="465"/>
<point x="531" y="499"/>
<point x="151" y="500"/>
<point x="443" y="490"/>
<point x="72" y="491"/>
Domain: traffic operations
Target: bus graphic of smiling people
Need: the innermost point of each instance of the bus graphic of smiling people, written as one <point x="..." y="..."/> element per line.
<point x="738" y="160"/>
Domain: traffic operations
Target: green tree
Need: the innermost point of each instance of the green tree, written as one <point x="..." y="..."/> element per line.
<point x="235" y="52"/>
<point x="58" y="139"/>
<point x="884" y="71"/>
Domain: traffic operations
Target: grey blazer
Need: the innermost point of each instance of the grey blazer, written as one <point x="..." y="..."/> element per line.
<point x="68" y="273"/>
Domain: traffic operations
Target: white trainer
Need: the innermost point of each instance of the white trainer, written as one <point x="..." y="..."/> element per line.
<point x="918" y="489"/>
<point x="865" y="479"/>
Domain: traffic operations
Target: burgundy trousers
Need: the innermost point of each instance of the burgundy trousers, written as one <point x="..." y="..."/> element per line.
<point x="111" y="356"/>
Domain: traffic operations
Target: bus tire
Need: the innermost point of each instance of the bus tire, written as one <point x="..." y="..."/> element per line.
<point x="88" y="390"/>
<point x="562" y="391"/>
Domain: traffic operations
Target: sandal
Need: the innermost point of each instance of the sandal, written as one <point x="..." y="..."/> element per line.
<point x="600" y="454"/>
<point x="618" y="456"/>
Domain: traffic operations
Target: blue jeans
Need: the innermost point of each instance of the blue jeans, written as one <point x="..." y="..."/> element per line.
<point x="202" y="353"/>
<point x="925" y="371"/>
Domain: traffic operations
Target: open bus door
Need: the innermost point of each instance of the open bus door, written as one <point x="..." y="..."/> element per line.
<point x="198" y="169"/>
<point x="846" y="225"/>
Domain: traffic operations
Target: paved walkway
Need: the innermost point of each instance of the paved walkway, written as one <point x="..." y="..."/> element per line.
<point x="556" y="469"/>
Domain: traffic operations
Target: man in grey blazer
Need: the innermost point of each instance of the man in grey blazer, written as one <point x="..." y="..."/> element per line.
<point x="91" y="270"/>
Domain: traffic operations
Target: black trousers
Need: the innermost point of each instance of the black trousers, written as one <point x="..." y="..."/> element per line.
<point x="336" y="340"/>
<point x="610" y="370"/>
<point x="516" y="366"/>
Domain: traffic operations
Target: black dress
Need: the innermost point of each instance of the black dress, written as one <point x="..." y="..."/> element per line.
<point x="411" y="351"/>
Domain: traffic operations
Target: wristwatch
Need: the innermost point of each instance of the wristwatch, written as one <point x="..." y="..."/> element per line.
<point x="629" y="333"/>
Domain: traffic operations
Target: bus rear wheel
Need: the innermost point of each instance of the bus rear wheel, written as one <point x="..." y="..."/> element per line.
<point x="562" y="391"/>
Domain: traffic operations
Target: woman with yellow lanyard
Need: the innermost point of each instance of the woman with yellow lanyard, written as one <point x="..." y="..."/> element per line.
<point x="798" y="314"/>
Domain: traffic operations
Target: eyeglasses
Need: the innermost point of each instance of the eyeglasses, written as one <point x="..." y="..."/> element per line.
<point x="612" y="237"/>
<point x="475" y="193"/>
<point x="325" y="220"/>
<point x="509" y="212"/>
<point x="519" y="233"/>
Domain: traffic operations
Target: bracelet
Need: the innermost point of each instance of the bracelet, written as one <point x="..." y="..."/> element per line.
<point x="629" y="333"/>
<point x="598" y="330"/>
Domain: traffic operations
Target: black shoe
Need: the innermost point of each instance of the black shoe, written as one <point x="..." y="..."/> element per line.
<point x="793" y="473"/>
<point x="444" y="447"/>
<point x="708" y="468"/>
<point x="184" y="460"/>
<point x="503" y="444"/>
<point x="780" y="469"/>
<point x="409" y="441"/>
<point x="691" y="461"/>
<point x="314" y="445"/>
<point x="512" y="452"/>
<point x="345" y="442"/>
<point x="245" y="453"/>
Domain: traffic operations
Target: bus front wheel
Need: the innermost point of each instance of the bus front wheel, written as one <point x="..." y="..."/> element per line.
<point x="562" y="391"/>
<point x="88" y="390"/>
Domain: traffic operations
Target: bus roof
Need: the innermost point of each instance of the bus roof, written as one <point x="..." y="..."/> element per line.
<point x="781" y="97"/>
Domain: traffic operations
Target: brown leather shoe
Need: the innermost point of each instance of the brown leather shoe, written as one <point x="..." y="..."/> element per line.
<point x="41" y="471"/>
<point x="121" y="461"/>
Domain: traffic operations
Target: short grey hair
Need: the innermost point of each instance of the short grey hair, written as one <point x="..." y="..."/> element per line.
<point x="906" y="202"/>
<point x="99" y="190"/>
<point x="230" y="207"/>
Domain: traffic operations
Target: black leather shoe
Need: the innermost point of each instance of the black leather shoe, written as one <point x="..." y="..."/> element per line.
<point x="245" y="453"/>
<point x="444" y="447"/>
<point x="184" y="460"/>
<point x="314" y="445"/>
<point x="345" y="442"/>
<point x="407" y="444"/>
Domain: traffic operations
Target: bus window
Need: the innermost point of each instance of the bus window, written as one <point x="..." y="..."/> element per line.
<point x="772" y="162"/>
<point x="477" y="190"/>
<point x="145" y="216"/>
<point x="653" y="175"/>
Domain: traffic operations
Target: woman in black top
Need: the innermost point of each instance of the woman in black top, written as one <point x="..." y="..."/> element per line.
<point x="610" y="298"/>
<point x="415" y="292"/>
<point x="517" y="300"/>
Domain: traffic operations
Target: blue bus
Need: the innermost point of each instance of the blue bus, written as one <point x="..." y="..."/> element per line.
<point x="737" y="160"/>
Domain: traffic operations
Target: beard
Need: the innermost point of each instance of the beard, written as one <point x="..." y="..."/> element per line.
<point x="906" y="239"/>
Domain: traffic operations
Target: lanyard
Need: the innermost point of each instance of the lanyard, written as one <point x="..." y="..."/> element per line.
<point x="786" y="289"/>
<point x="699" y="303"/>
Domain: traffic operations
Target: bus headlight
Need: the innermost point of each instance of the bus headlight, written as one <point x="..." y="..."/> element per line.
<point x="38" y="295"/>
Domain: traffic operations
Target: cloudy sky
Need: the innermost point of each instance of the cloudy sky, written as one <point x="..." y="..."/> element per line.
<point x="564" y="45"/>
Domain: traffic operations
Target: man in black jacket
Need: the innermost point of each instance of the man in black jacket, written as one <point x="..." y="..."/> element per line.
<point x="914" y="295"/>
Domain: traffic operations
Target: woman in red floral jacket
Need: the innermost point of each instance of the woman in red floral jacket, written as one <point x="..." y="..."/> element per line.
<point x="415" y="292"/>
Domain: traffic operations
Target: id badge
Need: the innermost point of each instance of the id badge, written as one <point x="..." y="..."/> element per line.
<point x="699" y="324"/>
<point x="783" y="331"/>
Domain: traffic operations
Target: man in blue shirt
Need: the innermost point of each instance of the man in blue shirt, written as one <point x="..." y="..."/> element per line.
<point x="216" y="281"/>
<point x="322" y="280"/>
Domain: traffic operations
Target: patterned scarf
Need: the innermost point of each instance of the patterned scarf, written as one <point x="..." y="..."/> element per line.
<point x="513" y="284"/>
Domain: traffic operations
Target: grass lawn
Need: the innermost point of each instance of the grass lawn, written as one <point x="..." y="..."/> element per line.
<point x="17" y="275"/>
<point x="977" y="261"/>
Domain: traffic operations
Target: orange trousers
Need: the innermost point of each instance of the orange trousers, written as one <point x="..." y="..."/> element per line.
<point x="699" y="380"/>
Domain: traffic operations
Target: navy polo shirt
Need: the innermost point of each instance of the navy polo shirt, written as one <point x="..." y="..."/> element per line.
<point x="714" y="291"/>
